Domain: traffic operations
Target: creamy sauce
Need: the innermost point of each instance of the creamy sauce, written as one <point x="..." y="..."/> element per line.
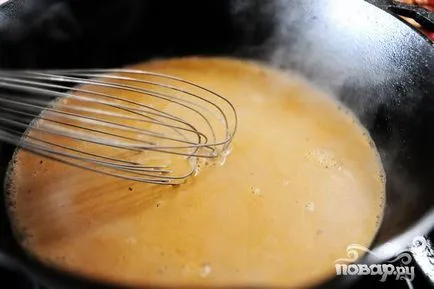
<point x="302" y="182"/>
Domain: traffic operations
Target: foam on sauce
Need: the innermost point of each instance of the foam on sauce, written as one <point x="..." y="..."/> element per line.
<point x="302" y="182"/>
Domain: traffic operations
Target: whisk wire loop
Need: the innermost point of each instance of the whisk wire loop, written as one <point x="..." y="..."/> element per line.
<point x="133" y="124"/>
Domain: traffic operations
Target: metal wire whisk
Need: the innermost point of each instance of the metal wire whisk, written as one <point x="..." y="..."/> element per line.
<point x="133" y="124"/>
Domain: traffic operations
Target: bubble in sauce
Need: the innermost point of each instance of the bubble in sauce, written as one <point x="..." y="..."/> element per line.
<point x="255" y="190"/>
<point x="198" y="269"/>
<point x="310" y="206"/>
<point x="378" y="220"/>
<point x="286" y="182"/>
<point x="323" y="158"/>
<point x="205" y="270"/>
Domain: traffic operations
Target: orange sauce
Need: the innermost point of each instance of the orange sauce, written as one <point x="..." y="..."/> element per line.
<point x="302" y="182"/>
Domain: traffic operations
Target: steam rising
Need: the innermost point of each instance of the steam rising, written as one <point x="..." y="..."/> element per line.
<point x="373" y="74"/>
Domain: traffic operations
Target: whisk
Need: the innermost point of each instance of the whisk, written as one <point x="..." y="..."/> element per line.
<point x="132" y="124"/>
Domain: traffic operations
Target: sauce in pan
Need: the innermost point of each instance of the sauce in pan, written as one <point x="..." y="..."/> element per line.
<point x="303" y="181"/>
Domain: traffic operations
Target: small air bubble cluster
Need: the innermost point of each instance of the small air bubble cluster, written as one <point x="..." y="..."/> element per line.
<point x="323" y="158"/>
<point x="382" y="178"/>
<point x="378" y="220"/>
<point x="310" y="206"/>
<point x="216" y="159"/>
<point x="198" y="269"/>
<point x="255" y="190"/>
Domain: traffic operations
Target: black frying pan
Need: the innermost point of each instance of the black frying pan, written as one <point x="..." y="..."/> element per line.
<point x="378" y="66"/>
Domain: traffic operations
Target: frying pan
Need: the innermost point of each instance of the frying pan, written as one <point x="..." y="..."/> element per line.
<point x="378" y="66"/>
